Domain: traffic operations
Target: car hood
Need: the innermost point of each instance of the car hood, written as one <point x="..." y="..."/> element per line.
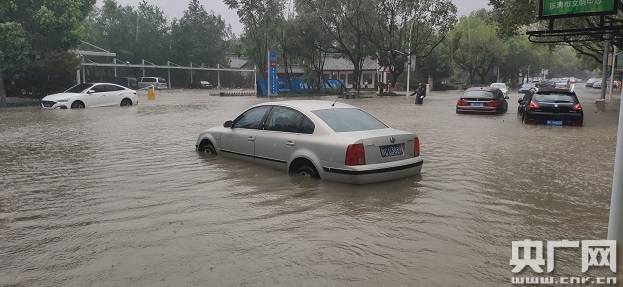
<point x="60" y="96"/>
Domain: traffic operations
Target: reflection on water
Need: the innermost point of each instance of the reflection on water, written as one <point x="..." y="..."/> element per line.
<point x="118" y="197"/>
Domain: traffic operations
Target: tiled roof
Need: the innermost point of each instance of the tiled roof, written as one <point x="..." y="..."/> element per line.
<point x="338" y="63"/>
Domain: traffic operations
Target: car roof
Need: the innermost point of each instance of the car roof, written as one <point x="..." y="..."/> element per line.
<point x="308" y="105"/>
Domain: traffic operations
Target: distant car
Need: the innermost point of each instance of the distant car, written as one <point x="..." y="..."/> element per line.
<point x="317" y="139"/>
<point x="555" y="107"/>
<point x="156" y="82"/>
<point x="128" y="82"/>
<point x="546" y="84"/>
<point x="482" y="100"/>
<point x="91" y="95"/>
<point x="590" y="82"/>
<point x="597" y="84"/>
<point x="562" y="83"/>
<point x="205" y="85"/>
<point x="528" y="88"/>
<point x="501" y="86"/>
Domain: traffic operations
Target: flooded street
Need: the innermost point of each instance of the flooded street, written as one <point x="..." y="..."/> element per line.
<point x="119" y="197"/>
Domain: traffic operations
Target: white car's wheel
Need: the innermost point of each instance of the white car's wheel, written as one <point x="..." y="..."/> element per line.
<point x="77" y="105"/>
<point x="126" y="102"/>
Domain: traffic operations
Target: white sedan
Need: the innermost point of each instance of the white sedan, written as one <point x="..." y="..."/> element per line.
<point x="501" y="86"/>
<point x="317" y="139"/>
<point x="91" y="95"/>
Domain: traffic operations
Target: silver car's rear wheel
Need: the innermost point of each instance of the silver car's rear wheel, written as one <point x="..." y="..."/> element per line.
<point x="307" y="171"/>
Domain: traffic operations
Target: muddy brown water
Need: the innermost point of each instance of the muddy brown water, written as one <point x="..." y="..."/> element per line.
<point x="119" y="197"/>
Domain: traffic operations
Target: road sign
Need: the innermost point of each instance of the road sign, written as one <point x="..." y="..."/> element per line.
<point x="573" y="8"/>
<point x="274" y="78"/>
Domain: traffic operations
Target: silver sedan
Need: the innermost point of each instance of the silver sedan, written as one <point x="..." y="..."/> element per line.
<point x="318" y="139"/>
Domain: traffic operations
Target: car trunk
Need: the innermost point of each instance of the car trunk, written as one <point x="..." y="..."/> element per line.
<point x="382" y="146"/>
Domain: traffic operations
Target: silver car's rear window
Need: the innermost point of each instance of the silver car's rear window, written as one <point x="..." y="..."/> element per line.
<point x="349" y="120"/>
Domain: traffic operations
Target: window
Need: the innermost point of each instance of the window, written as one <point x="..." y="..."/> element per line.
<point x="99" y="88"/>
<point x="349" y="120"/>
<point x="554" y="98"/>
<point x="112" y="88"/>
<point x="480" y="94"/>
<point x="251" y="119"/>
<point x="79" y="88"/>
<point x="284" y="119"/>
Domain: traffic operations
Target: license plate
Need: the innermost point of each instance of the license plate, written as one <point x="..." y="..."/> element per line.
<point x="477" y="104"/>
<point x="554" y="123"/>
<point x="391" y="150"/>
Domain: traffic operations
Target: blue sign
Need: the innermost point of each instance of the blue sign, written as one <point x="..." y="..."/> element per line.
<point x="274" y="78"/>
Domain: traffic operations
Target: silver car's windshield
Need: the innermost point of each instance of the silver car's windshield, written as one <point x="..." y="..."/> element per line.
<point x="349" y="120"/>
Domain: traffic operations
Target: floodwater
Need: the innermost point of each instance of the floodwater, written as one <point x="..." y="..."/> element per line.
<point x="119" y="197"/>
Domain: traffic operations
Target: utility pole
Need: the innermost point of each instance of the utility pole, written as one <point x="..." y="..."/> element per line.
<point x="218" y="72"/>
<point x="255" y="79"/>
<point x="409" y="54"/>
<point x="604" y="77"/>
<point x="144" y="67"/>
<point x="2" y="91"/>
<point x="115" y="62"/>
<point x="268" y="73"/>
<point x="614" y="60"/>
<point x="191" y="74"/>
<point x="169" y="73"/>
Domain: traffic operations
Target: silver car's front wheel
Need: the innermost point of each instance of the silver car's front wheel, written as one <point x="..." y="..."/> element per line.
<point x="207" y="148"/>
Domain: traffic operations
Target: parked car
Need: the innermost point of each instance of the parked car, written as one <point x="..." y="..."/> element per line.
<point x="590" y="82"/>
<point x="206" y="85"/>
<point x="482" y="100"/>
<point x="501" y="86"/>
<point x="317" y="139"/>
<point x="546" y="84"/>
<point x="156" y="82"/>
<point x="128" y="82"/>
<point x="562" y="83"/>
<point x="597" y="84"/>
<point x="554" y="107"/>
<point x="528" y="88"/>
<point x="91" y="95"/>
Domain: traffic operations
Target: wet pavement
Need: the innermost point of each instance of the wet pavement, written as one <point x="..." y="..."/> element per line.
<point x="119" y="197"/>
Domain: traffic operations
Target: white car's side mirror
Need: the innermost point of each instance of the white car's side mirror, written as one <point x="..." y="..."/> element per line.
<point x="90" y="92"/>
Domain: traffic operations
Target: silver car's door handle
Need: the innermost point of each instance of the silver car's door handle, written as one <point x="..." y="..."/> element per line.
<point x="290" y="143"/>
<point x="251" y="139"/>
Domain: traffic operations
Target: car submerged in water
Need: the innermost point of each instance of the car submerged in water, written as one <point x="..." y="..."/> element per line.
<point x="482" y="100"/>
<point x="553" y="107"/>
<point x="317" y="139"/>
<point x="88" y="95"/>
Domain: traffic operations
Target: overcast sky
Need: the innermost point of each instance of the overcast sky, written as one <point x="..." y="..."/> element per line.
<point x="175" y="9"/>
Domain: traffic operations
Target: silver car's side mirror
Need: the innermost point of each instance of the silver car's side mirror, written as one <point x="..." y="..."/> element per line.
<point x="90" y="92"/>
<point x="506" y="97"/>
<point x="228" y="124"/>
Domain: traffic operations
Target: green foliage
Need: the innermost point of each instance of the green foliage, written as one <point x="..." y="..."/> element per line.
<point x="36" y="34"/>
<point x="199" y="37"/>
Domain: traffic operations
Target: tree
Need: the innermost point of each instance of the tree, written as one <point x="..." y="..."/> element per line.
<point x="260" y="19"/>
<point x="346" y="22"/>
<point x="410" y="27"/>
<point x="475" y="47"/>
<point x="36" y="35"/>
<point x="199" y="36"/>
<point x="513" y="16"/>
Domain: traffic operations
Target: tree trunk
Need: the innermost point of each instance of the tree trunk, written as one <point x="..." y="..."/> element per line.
<point x="2" y="90"/>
